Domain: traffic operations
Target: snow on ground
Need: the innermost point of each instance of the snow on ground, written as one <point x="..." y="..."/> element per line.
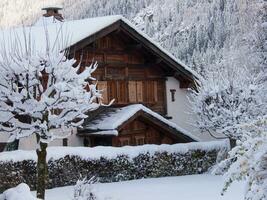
<point x="21" y="192"/>
<point x="193" y="187"/>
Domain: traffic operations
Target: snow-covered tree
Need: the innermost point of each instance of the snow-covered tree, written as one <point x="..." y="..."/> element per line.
<point x="248" y="160"/>
<point x="41" y="90"/>
<point x="227" y="98"/>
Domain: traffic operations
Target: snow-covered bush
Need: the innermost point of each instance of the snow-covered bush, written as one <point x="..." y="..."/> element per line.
<point x="248" y="160"/>
<point x="84" y="189"/>
<point x="228" y="98"/>
<point x="21" y="192"/>
<point x="110" y="164"/>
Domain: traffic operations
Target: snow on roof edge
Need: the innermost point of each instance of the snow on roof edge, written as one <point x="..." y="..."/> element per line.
<point x="106" y="132"/>
<point x="60" y="7"/>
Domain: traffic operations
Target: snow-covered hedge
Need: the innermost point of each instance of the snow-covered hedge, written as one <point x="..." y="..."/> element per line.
<point x="67" y="164"/>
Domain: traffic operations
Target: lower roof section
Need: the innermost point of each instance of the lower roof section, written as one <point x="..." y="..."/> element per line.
<point x="109" y="121"/>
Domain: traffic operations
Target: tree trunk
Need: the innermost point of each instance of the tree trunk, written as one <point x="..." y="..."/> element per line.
<point x="42" y="172"/>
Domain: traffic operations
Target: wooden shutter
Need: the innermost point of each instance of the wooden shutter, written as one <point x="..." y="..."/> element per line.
<point x="139" y="91"/>
<point x="152" y="91"/>
<point x="123" y="141"/>
<point x="121" y="92"/>
<point x="103" y="85"/>
<point x="132" y="91"/>
<point x="112" y="90"/>
<point x="155" y="87"/>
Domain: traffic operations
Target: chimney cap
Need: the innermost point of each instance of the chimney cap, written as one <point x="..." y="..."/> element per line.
<point x="52" y="8"/>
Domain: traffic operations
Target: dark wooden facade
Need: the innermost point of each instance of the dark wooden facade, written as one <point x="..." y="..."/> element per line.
<point x="125" y="72"/>
<point x="139" y="133"/>
<point x="133" y="134"/>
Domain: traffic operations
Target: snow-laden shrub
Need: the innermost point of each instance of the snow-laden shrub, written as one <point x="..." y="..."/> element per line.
<point x="248" y="161"/>
<point x="20" y="192"/>
<point x="84" y="189"/>
<point x="109" y="164"/>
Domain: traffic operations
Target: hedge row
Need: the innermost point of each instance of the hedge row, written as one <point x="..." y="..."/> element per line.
<point x="68" y="169"/>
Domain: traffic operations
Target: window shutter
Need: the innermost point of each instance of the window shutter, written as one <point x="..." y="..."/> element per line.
<point x="112" y="90"/>
<point x="121" y="92"/>
<point x="139" y="89"/>
<point x="132" y="91"/>
<point x="150" y="91"/>
<point x="155" y="86"/>
<point x="102" y="85"/>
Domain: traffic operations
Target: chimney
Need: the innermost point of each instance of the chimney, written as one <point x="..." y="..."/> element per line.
<point x="53" y="11"/>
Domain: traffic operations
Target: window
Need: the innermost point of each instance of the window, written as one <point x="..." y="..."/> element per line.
<point x="121" y="92"/>
<point x="2" y="146"/>
<point x="151" y="91"/>
<point x="124" y="141"/>
<point x="139" y="91"/>
<point x="135" y="89"/>
<point x="139" y="140"/>
<point x="117" y="90"/>
<point x="129" y="92"/>
<point x="65" y="142"/>
<point x="103" y="86"/>
<point x="87" y="142"/>
<point x="132" y="91"/>
<point x="172" y="94"/>
<point x="12" y="146"/>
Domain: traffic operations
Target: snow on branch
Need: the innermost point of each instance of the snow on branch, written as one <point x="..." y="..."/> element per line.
<point x="228" y="98"/>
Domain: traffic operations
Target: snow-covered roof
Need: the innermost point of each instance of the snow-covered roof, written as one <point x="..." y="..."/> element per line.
<point x="69" y="33"/>
<point x="58" y="7"/>
<point x="109" y="121"/>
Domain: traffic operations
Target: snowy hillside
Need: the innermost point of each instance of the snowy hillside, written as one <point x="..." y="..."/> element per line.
<point x="202" y="33"/>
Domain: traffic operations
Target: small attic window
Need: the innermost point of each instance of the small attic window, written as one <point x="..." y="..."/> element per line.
<point x="173" y="94"/>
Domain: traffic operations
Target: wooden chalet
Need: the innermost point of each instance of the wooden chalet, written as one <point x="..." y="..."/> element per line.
<point x="132" y="69"/>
